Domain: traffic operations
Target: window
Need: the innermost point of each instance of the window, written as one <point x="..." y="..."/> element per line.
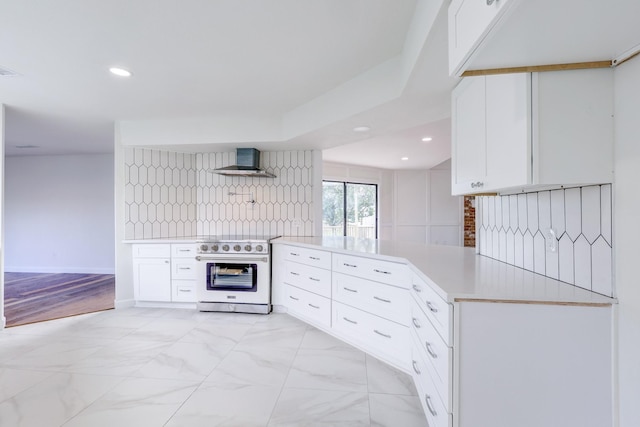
<point x="349" y="209"/>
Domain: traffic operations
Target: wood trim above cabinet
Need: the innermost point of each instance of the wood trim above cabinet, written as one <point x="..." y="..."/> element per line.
<point x="540" y="68"/>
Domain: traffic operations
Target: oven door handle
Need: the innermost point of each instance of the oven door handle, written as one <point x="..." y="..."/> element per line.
<point x="222" y="260"/>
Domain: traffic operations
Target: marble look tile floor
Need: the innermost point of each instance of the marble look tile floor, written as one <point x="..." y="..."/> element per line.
<point x="171" y="367"/>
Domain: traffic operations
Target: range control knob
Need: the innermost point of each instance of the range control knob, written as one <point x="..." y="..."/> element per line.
<point x="225" y="248"/>
<point x="215" y="248"/>
<point x="247" y="248"/>
<point x="204" y="248"/>
<point x="259" y="248"/>
<point x="237" y="248"/>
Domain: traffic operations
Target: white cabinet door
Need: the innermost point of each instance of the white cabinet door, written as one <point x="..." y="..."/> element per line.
<point x="152" y="279"/>
<point x="468" y="137"/>
<point x="512" y="132"/>
<point x="469" y="23"/>
<point x="508" y="130"/>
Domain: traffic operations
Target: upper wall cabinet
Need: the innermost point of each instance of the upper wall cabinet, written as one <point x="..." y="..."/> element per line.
<point x="490" y="34"/>
<point x="469" y="23"/>
<point x="515" y="132"/>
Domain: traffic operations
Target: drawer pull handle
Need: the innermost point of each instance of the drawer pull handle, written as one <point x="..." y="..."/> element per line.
<point x="416" y="323"/>
<point x="294" y="254"/>
<point x="294" y="298"/>
<point x="430" y="350"/>
<point x="349" y="265"/>
<point x="431" y="307"/>
<point x="381" y="271"/>
<point x="350" y="290"/>
<point x="427" y="400"/>
<point x="350" y="321"/>
<point x="314" y="279"/>
<point x="416" y="288"/>
<point x="415" y="367"/>
<point x="381" y="334"/>
<point x="293" y="273"/>
<point x="184" y="250"/>
<point x="314" y="258"/>
<point x="381" y="299"/>
<point x="184" y="268"/>
<point x="313" y="306"/>
<point x="184" y="290"/>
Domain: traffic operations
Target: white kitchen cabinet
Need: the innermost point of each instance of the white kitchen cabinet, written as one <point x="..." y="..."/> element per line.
<point x="470" y="21"/>
<point x="164" y="272"/>
<point x="301" y="282"/>
<point x="152" y="272"/>
<point x="531" y="365"/>
<point x="475" y="360"/>
<point x="387" y="340"/>
<point x="392" y="273"/>
<point x="381" y="299"/>
<point x="183" y="272"/>
<point x="517" y="132"/>
<point x="312" y="308"/>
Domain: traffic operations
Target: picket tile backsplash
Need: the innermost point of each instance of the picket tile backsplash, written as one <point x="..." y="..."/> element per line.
<point x="169" y="194"/>
<point x="564" y="234"/>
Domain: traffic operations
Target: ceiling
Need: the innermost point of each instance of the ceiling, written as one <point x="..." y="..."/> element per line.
<point x="215" y="75"/>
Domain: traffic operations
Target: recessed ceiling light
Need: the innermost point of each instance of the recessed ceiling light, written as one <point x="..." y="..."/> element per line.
<point x="404" y="158"/>
<point x="361" y="128"/>
<point x="427" y="139"/>
<point x="120" y="72"/>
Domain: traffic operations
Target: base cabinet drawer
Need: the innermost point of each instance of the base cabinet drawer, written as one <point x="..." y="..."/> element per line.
<point x="183" y="268"/>
<point x="434" y="409"/>
<point x="321" y="259"/>
<point x="434" y="351"/>
<point x="184" y="290"/>
<point x="312" y="279"/>
<point x="439" y="312"/>
<point x="392" y="273"/>
<point x="310" y="307"/>
<point x="383" y="300"/>
<point x="384" y="338"/>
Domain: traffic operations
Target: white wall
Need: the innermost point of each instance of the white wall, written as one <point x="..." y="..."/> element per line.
<point x="626" y="198"/>
<point x="59" y="214"/>
<point x="414" y="205"/>
<point x="3" y="320"/>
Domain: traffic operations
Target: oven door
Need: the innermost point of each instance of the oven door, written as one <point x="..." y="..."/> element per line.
<point x="232" y="276"/>
<point x="233" y="279"/>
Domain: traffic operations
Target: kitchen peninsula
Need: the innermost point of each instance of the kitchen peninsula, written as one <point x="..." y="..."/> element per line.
<point x="487" y="343"/>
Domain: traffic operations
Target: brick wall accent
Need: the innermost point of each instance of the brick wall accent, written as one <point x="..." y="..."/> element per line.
<point x="469" y="221"/>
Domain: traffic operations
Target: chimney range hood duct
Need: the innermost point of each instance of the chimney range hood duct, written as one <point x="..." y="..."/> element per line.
<point x="247" y="164"/>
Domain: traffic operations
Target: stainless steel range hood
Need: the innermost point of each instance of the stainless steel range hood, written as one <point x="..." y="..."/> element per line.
<point x="247" y="164"/>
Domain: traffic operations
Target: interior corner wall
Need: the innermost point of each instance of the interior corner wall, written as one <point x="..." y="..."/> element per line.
<point x="59" y="214"/>
<point x="626" y="205"/>
<point x="3" y="320"/>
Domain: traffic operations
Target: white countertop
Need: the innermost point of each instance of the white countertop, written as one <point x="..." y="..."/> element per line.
<point x="457" y="273"/>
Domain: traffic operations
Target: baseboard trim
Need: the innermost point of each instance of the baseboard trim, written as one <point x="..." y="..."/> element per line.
<point x="124" y="303"/>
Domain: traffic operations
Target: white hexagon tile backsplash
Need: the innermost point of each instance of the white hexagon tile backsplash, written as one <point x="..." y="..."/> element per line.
<point x="169" y="194"/>
<point x="564" y="234"/>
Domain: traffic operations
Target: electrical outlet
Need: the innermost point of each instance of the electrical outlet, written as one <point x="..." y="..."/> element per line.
<point x="297" y="223"/>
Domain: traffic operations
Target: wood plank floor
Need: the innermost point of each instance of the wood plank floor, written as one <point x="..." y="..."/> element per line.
<point x="35" y="297"/>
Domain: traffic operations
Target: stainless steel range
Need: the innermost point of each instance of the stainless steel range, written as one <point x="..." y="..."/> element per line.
<point x="234" y="274"/>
